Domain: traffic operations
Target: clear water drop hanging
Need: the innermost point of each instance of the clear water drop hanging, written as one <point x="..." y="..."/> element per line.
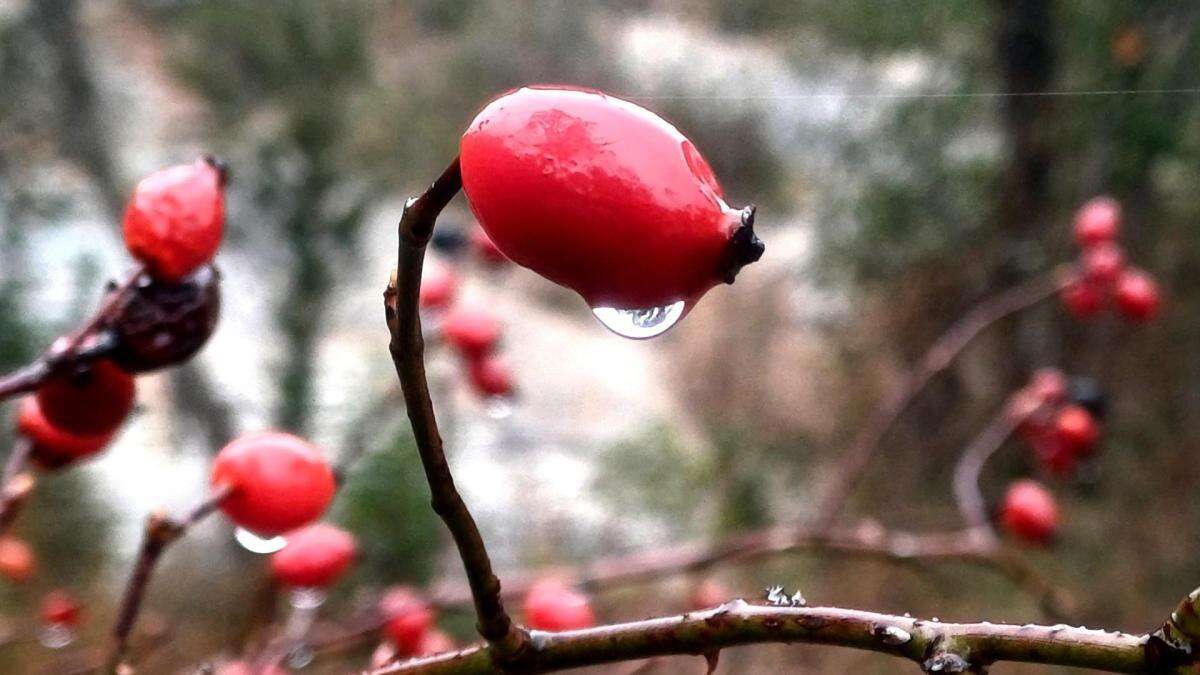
<point x="56" y="636"/>
<point x="640" y="324"/>
<point x="258" y="544"/>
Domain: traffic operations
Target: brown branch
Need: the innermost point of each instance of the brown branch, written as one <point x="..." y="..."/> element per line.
<point x="160" y="532"/>
<point x="17" y="482"/>
<point x="853" y="462"/>
<point x="969" y="468"/>
<point x="407" y="349"/>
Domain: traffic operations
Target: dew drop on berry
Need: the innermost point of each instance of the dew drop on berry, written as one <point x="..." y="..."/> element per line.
<point x="257" y="544"/>
<point x="56" y="636"/>
<point x="640" y="324"/>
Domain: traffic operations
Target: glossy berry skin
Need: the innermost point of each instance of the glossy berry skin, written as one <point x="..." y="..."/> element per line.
<point x="1076" y="430"/>
<point x="1097" y="221"/>
<point x="315" y="556"/>
<point x="553" y="606"/>
<point x="279" y="482"/>
<point x="439" y="287"/>
<point x="92" y="402"/>
<point x="408" y="619"/>
<point x="58" y="607"/>
<point x="53" y="447"/>
<point x="1102" y="264"/>
<point x="1030" y="512"/>
<point x="490" y="376"/>
<point x="17" y="561"/>
<point x="1137" y="296"/>
<point x="485" y="248"/>
<point x="175" y="219"/>
<point x="160" y="324"/>
<point x="601" y="196"/>
<point x="1083" y="299"/>
<point x="473" y="332"/>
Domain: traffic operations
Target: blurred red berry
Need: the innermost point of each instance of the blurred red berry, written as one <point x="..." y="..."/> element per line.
<point x="485" y="248"/>
<point x="53" y="447"/>
<point x="175" y="219"/>
<point x="1030" y="512"/>
<point x="1137" y="296"/>
<point x="490" y="376"/>
<point x="1049" y="385"/>
<point x="435" y="642"/>
<point x="551" y="605"/>
<point x="314" y="557"/>
<point x="1076" y="429"/>
<point x="708" y="593"/>
<point x="408" y="618"/>
<point x="1102" y="264"/>
<point x="473" y="332"/>
<point x="17" y="561"/>
<point x="58" y="607"/>
<point x="439" y="285"/>
<point x="89" y="403"/>
<point x="1097" y="221"/>
<point x="1083" y="299"/>
<point x="279" y="482"/>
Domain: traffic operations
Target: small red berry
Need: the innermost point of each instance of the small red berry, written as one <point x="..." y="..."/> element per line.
<point x="1083" y="299"/>
<point x="1030" y="512"/>
<point x="551" y="605"/>
<point x="602" y="196"/>
<point x="58" y="607"/>
<point x="490" y="376"/>
<point x="1102" y="263"/>
<point x="1098" y="221"/>
<point x="435" y="642"/>
<point x="1137" y="296"/>
<point x="485" y="248"/>
<point x="439" y="286"/>
<point x="314" y="557"/>
<point x="279" y="482"/>
<point x="17" y="561"/>
<point x="708" y="593"/>
<point x="1076" y="430"/>
<point x="408" y="618"/>
<point x="473" y="332"/>
<point x="1049" y="385"/>
<point x="91" y="402"/>
<point x="53" y="447"/>
<point x="175" y="219"/>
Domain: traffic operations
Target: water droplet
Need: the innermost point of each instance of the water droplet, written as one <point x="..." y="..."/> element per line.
<point x="306" y="598"/>
<point x="56" y="636"/>
<point x="640" y="324"/>
<point x="257" y="544"/>
<point x="299" y="657"/>
<point x="498" y="407"/>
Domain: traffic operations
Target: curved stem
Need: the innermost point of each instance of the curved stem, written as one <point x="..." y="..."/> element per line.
<point x="17" y="482"/>
<point x="970" y="465"/>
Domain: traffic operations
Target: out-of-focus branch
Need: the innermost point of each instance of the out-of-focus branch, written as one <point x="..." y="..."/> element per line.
<point x="970" y="465"/>
<point x="853" y="462"/>
<point x="17" y="482"/>
<point x="408" y="349"/>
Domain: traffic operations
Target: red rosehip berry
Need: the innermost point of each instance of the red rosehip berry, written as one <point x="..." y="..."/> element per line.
<point x="278" y="482"/>
<point x="1102" y="263"/>
<point x="473" y="332"/>
<point x="551" y="605"/>
<point x="1076" y="429"/>
<point x="1049" y="385"/>
<point x="408" y="618"/>
<point x="439" y="286"/>
<point x="485" y="248"/>
<point x="58" y="607"/>
<point x="53" y="447"/>
<point x="91" y="402"/>
<point x="708" y="593"/>
<point x="490" y="376"/>
<point x="314" y="557"/>
<point x="1098" y="221"/>
<point x="602" y="196"/>
<point x="1083" y="299"/>
<point x="17" y="561"/>
<point x="1030" y="512"/>
<point x="435" y="642"/>
<point x="176" y="217"/>
<point x="1137" y="296"/>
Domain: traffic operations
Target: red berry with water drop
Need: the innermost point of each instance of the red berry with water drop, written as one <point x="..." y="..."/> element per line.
<point x="1098" y="221"/>
<point x="314" y="557"/>
<point x="552" y="605"/>
<point x="176" y="217"/>
<point x="1137" y="296"/>
<point x="1030" y="512"/>
<point x="407" y="619"/>
<point x="602" y="196"/>
<point x="472" y="331"/>
<point x="93" y="401"/>
<point x="278" y="482"/>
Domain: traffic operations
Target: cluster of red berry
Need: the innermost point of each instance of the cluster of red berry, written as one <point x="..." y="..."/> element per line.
<point x="1104" y="278"/>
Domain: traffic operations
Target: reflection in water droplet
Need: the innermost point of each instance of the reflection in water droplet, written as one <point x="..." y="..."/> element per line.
<point x="640" y="324"/>
<point x="256" y="544"/>
<point x="306" y="598"/>
<point x="299" y="657"/>
<point x="498" y="407"/>
<point x="56" y="636"/>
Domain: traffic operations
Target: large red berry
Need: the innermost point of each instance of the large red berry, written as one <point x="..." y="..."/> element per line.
<point x="552" y="605"/>
<point x="53" y="447"/>
<point x="58" y="607"/>
<point x="1029" y="512"/>
<point x="176" y="217"/>
<point x="602" y="196"/>
<point x="408" y="618"/>
<point x="485" y="248"/>
<point x="439" y="285"/>
<point x="473" y="332"/>
<point x="1097" y="221"/>
<point x="279" y="482"/>
<point x="490" y="376"/>
<point x="93" y="401"/>
<point x="1076" y="429"/>
<point x="16" y="560"/>
<point x="1102" y="263"/>
<point x="315" y="556"/>
<point x="1083" y="299"/>
<point x="1137" y="296"/>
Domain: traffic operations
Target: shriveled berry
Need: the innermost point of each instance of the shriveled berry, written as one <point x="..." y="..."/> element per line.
<point x="279" y="482"/>
<point x="17" y="561"/>
<point x="1030" y="512"/>
<point x="53" y="447"/>
<point x="59" y="607"/>
<point x="92" y="401"/>
<point x="439" y="286"/>
<point x="490" y="376"/>
<point x="1102" y="264"/>
<point x="485" y="248"/>
<point x="1083" y="299"/>
<point x="175" y="219"/>
<point x="159" y="324"/>
<point x="1076" y="430"/>
<point x="1137" y="296"/>
<point x="551" y="605"/>
<point x="1097" y="221"/>
<point x="473" y="332"/>
<point x="408" y="619"/>
<point x="314" y="557"/>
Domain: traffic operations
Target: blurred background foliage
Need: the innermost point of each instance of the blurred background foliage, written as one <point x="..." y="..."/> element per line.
<point x="911" y="158"/>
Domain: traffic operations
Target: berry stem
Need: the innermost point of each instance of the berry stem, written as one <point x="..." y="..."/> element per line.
<point x="17" y="482"/>
<point x="744" y="246"/>
<point x="970" y="465"/>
